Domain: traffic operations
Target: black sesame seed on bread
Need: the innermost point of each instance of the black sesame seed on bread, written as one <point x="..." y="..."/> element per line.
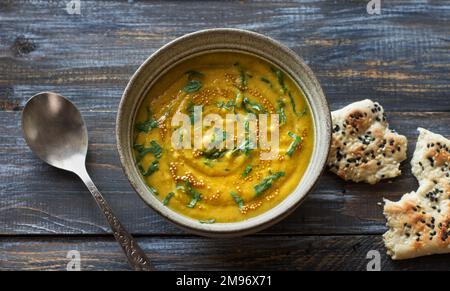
<point x="419" y="224"/>
<point x="363" y="147"/>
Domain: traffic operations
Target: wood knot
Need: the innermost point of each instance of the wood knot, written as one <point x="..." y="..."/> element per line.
<point x="7" y="102"/>
<point x="23" y="46"/>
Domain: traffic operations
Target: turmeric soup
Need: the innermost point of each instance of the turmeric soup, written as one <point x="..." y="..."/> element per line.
<point x="229" y="183"/>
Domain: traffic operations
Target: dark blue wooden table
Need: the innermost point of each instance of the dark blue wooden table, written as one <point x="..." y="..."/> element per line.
<point x="400" y="58"/>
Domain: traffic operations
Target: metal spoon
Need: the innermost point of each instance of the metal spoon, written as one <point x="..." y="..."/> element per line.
<point x="55" y="131"/>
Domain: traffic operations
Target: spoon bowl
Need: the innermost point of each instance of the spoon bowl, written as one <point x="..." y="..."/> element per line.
<point x="55" y="131"/>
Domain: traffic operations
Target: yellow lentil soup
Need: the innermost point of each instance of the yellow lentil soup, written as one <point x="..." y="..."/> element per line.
<point x="222" y="185"/>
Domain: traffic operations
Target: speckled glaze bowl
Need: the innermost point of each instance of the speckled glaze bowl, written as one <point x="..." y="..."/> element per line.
<point x="222" y="39"/>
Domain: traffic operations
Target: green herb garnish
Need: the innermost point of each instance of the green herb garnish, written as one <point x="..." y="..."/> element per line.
<point x="154" y="166"/>
<point x="238" y="99"/>
<point x="207" y="221"/>
<point x="284" y="89"/>
<point x="208" y="162"/>
<point x="154" y="148"/>
<point x="167" y="198"/>
<point x="280" y="77"/>
<point x="247" y="171"/>
<point x="148" y="124"/>
<point x="238" y="199"/>
<point x="230" y="104"/>
<point x="217" y="141"/>
<point x="214" y="153"/>
<point x="192" y="86"/>
<point x="246" y="146"/>
<point x="291" y="98"/>
<point x="181" y="137"/>
<point x="303" y="113"/>
<point x="196" y="196"/>
<point x="280" y="111"/>
<point x="180" y="187"/>
<point x="243" y="75"/>
<point x="267" y="81"/>
<point x="294" y="144"/>
<point x="253" y="107"/>
<point x="190" y="109"/>
<point x="267" y="182"/>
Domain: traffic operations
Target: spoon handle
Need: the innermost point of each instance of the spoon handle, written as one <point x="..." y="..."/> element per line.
<point x="135" y="255"/>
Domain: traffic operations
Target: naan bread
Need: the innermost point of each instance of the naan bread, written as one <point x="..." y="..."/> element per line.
<point x="419" y="224"/>
<point x="363" y="148"/>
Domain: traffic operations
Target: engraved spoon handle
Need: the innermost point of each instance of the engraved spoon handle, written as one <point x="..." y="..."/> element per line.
<point x="135" y="255"/>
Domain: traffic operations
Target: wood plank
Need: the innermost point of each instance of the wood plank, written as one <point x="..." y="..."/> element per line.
<point x="399" y="58"/>
<point x="38" y="199"/>
<point x="201" y="254"/>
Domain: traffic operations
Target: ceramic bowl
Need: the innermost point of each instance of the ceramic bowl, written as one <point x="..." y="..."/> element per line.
<point x="224" y="39"/>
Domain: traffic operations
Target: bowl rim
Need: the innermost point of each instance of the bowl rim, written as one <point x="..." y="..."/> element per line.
<point x="229" y="229"/>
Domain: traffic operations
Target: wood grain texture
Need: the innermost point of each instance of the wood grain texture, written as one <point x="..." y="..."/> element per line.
<point x="289" y="253"/>
<point x="399" y="58"/>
